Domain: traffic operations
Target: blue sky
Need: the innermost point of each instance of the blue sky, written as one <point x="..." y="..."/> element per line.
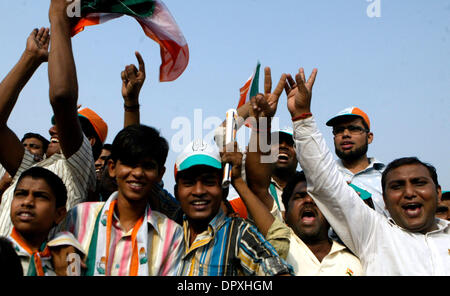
<point x="395" y="67"/>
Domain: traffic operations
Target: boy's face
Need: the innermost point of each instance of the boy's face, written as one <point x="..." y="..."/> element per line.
<point x="135" y="182"/>
<point x="33" y="208"/>
<point x="200" y="192"/>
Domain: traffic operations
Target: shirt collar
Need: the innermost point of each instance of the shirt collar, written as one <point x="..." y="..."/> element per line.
<point x="441" y="224"/>
<point x="151" y="218"/>
<point x="373" y="164"/>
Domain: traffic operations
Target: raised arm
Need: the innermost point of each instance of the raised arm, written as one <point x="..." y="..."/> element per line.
<point x="243" y="112"/>
<point x="257" y="164"/>
<point x="260" y="214"/>
<point x="132" y="81"/>
<point x="347" y="214"/>
<point x="63" y="80"/>
<point x="36" y="53"/>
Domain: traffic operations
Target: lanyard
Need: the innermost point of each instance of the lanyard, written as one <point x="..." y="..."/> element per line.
<point x="35" y="262"/>
<point x="134" y="264"/>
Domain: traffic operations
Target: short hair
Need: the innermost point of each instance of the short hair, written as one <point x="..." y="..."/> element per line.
<point x="137" y="142"/>
<point x="445" y="195"/>
<point x="89" y="132"/>
<point x="290" y="186"/>
<point x="107" y="147"/>
<point x="10" y="265"/>
<point x="53" y="181"/>
<point x="44" y="141"/>
<point x="407" y="161"/>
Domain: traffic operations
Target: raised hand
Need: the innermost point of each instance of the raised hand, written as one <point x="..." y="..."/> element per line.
<point x="132" y="81"/>
<point x="38" y="44"/>
<point x="232" y="155"/>
<point x="299" y="92"/>
<point x="272" y="97"/>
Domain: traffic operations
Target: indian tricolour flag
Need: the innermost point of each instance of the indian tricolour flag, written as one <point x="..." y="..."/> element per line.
<point x="156" y="21"/>
<point x="251" y="87"/>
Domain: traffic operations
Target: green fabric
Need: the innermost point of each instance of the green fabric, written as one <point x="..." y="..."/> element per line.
<point x="273" y="192"/>
<point x="363" y="193"/>
<point x="32" y="268"/>
<point x="138" y="8"/>
<point x="200" y="159"/>
<point x="92" y="253"/>
<point x="254" y="88"/>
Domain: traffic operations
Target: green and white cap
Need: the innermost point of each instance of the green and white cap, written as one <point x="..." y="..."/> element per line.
<point x="198" y="152"/>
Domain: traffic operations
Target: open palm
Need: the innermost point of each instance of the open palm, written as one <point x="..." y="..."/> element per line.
<point x="38" y="44"/>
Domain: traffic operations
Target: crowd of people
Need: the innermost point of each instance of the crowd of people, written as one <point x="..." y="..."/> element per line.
<point x="75" y="205"/>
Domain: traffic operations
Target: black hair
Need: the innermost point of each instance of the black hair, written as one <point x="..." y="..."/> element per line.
<point x="44" y="141"/>
<point x="53" y="181"/>
<point x="137" y="142"/>
<point x="107" y="147"/>
<point x="89" y="132"/>
<point x="408" y="161"/>
<point x="446" y="195"/>
<point x="290" y="186"/>
<point x="10" y="265"/>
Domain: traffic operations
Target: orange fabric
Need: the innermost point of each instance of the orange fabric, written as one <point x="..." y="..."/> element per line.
<point x="97" y="122"/>
<point x="134" y="265"/>
<point x="35" y="254"/>
<point x="361" y="113"/>
<point x="239" y="207"/>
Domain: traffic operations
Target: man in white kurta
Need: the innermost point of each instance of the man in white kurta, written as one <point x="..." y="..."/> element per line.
<point x="383" y="247"/>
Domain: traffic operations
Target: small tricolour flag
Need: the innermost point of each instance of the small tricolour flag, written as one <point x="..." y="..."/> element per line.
<point x="251" y="87"/>
<point x="156" y="21"/>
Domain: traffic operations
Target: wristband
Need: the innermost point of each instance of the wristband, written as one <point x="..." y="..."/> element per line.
<point x="131" y="108"/>
<point x="301" y="116"/>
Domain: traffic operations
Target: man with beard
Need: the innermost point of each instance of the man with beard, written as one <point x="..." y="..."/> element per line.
<point x="352" y="136"/>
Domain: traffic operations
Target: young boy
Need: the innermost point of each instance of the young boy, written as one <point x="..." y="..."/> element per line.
<point x="124" y="236"/>
<point x="39" y="204"/>
<point x="217" y="245"/>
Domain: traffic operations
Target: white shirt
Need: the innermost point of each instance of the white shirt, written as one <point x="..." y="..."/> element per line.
<point x="368" y="179"/>
<point x="77" y="173"/>
<point x="339" y="261"/>
<point x="383" y="247"/>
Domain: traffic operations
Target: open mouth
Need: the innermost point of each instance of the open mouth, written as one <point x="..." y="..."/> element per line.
<point x="135" y="186"/>
<point x="54" y="140"/>
<point x="441" y="209"/>
<point x="200" y="204"/>
<point x="25" y="216"/>
<point x="308" y="216"/>
<point x="412" y="210"/>
<point x="283" y="157"/>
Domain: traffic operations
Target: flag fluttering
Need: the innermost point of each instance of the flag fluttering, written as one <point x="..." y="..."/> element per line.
<point x="251" y="87"/>
<point x="156" y="21"/>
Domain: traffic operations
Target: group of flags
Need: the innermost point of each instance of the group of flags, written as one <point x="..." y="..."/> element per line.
<point x="159" y="25"/>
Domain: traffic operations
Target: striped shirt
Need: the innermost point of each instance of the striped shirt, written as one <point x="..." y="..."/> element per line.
<point x="77" y="172"/>
<point x="230" y="246"/>
<point x="165" y="239"/>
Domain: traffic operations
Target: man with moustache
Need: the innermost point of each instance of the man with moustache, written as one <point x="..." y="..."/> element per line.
<point x="352" y="136"/>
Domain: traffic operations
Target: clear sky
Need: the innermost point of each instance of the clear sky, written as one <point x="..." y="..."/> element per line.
<point x="396" y="67"/>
